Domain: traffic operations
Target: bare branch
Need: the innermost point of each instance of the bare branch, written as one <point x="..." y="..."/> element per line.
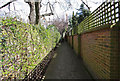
<point x="7" y="4"/>
<point x="47" y="14"/>
<point x="50" y="7"/>
<point x="85" y="4"/>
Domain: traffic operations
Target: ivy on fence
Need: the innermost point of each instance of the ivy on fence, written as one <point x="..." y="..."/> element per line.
<point x="23" y="46"/>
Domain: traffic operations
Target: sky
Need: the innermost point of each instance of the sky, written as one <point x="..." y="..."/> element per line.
<point x="22" y="9"/>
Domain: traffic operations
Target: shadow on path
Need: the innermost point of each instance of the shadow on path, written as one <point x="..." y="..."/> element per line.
<point x="66" y="65"/>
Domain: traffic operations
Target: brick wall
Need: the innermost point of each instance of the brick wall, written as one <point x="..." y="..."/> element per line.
<point x="71" y="41"/>
<point x="99" y="41"/>
<point x="100" y="51"/>
<point x="119" y="52"/>
<point x="95" y="51"/>
<point x="75" y="43"/>
<point x="68" y="39"/>
<point x="115" y="52"/>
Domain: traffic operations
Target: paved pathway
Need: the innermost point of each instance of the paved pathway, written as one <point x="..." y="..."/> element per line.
<point x="66" y="65"/>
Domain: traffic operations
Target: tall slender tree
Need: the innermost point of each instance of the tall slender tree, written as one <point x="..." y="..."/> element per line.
<point x="82" y="13"/>
<point x="74" y="23"/>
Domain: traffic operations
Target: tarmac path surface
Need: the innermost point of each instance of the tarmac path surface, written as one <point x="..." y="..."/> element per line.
<point x="66" y="65"/>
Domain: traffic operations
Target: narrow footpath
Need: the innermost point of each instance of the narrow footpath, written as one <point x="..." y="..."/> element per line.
<point x="66" y="65"/>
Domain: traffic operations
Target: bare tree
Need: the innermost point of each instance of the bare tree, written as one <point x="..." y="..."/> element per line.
<point x="61" y="24"/>
<point x="35" y="7"/>
<point x="32" y="12"/>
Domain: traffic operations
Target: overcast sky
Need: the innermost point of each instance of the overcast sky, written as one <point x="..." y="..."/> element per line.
<point x="22" y="9"/>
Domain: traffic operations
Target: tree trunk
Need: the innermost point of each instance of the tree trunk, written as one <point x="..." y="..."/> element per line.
<point x="37" y="7"/>
<point x="32" y="15"/>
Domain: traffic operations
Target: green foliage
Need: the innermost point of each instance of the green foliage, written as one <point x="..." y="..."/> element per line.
<point x="77" y="18"/>
<point x="23" y="46"/>
<point x="74" y="23"/>
<point x="82" y="13"/>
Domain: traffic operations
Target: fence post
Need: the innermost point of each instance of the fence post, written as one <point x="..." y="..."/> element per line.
<point x="72" y="38"/>
<point x="119" y="41"/>
<point x="79" y="45"/>
<point x="115" y="57"/>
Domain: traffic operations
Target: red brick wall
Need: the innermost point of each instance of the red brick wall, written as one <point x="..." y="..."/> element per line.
<point x="68" y="39"/>
<point x="75" y="43"/>
<point x="95" y="51"/>
<point x="119" y="52"/>
<point x="71" y="41"/>
<point x="115" y="52"/>
<point x="100" y="51"/>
